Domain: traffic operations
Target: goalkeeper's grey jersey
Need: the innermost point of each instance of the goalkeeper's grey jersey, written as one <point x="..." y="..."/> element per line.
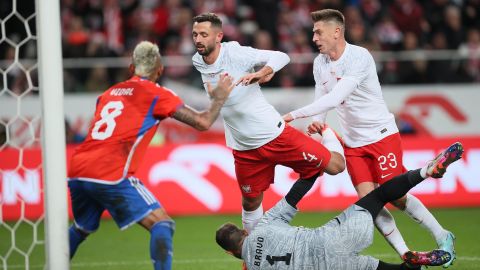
<point x="274" y="244"/>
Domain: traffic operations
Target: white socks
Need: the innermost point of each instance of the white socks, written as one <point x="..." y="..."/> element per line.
<point x="386" y="225"/>
<point x="418" y="212"/>
<point x="423" y="172"/>
<point x="330" y="141"/>
<point x="251" y="218"/>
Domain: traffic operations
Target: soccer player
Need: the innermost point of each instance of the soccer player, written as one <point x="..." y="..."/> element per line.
<point x="274" y="244"/>
<point x="346" y="79"/>
<point x="253" y="128"/>
<point x="102" y="169"/>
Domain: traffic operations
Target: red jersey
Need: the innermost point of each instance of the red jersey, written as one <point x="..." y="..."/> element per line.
<point x="126" y="118"/>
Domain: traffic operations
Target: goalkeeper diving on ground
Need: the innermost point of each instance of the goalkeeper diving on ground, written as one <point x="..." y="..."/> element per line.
<point x="274" y="244"/>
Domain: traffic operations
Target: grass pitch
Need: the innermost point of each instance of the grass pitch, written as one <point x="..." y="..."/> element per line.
<point x="195" y="247"/>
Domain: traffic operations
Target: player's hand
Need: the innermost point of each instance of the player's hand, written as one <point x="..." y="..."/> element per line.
<point x="224" y="87"/>
<point x="265" y="74"/>
<point x="315" y="127"/>
<point x="288" y="117"/>
<point x="250" y="78"/>
<point x="266" y="78"/>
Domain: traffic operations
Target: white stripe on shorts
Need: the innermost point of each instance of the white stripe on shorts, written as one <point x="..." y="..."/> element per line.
<point x="147" y="197"/>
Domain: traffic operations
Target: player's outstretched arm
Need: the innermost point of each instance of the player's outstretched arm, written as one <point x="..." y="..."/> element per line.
<point x="325" y="103"/>
<point x="265" y="74"/>
<point x="272" y="62"/>
<point x="203" y="120"/>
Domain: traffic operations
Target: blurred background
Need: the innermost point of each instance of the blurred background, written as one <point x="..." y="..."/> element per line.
<point x="434" y="43"/>
<point x="427" y="55"/>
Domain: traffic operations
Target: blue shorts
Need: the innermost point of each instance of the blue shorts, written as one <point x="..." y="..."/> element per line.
<point x="128" y="202"/>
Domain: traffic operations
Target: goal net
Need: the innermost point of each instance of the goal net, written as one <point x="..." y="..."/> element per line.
<point x="30" y="138"/>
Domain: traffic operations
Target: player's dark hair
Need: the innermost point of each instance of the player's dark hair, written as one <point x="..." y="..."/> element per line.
<point x="229" y="236"/>
<point x="208" y="17"/>
<point x="328" y="15"/>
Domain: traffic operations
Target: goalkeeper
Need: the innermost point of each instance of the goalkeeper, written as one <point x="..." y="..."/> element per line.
<point x="274" y="244"/>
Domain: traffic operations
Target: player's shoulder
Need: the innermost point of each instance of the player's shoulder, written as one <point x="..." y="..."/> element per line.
<point x="233" y="48"/>
<point x="231" y="45"/>
<point x="358" y="57"/>
<point x="357" y="49"/>
<point x="155" y="89"/>
<point x="358" y="52"/>
<point x="138" y="86"/>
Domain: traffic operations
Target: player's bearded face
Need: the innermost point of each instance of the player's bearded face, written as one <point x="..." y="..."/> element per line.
<point x="205" y="49"/>
<point x="204" y="38"/>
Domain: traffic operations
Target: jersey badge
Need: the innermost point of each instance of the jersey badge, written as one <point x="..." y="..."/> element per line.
<point x="246" y="188"/>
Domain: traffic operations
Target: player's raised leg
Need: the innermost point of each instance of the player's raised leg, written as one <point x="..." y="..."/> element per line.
<point x="400" y="185"/>
<point x="255" y="169"/>
<point x="435" y="169"/>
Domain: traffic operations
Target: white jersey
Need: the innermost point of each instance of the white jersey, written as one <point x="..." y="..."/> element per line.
<point x="250" y="121"/>
<point x="351" y="86"/>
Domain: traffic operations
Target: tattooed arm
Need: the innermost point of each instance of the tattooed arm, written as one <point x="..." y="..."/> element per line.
<point x="203" y="120"/>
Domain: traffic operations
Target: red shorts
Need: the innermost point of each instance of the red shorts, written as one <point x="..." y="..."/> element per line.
<point x="255" y="169"/>
<point x="377" y="162"/>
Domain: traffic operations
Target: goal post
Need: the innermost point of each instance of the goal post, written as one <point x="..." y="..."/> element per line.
<point x="53" y="130"/>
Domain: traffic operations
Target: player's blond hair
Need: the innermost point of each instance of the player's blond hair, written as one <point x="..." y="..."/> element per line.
<point x="145" y="57"/>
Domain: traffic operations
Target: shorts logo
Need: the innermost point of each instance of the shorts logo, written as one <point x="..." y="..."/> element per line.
<point x="246" y="188"/>
<point x="385" y="175"/>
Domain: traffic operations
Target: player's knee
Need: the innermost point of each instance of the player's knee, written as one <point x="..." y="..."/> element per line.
<point x="156" y="216"/>
<point x="80" y="232"/>
<point x="169" y="224"/>
<point x="364" y="188"/>
<point x="336" y="164"/>
<point x="400" y="203"/>
<point x="251" y="203"/>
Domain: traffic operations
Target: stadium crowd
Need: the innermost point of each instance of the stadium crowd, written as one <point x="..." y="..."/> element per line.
<point x="110" y="28"/>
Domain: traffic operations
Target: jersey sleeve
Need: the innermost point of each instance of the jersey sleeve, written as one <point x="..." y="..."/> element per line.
<point x="320" y="90"/>
<point x="282" y="211"/>
<point x="357" y="71"/>
<point x="251" y="57"/>
<point x="327" y="102"/>
<point x="166" y="102"/>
